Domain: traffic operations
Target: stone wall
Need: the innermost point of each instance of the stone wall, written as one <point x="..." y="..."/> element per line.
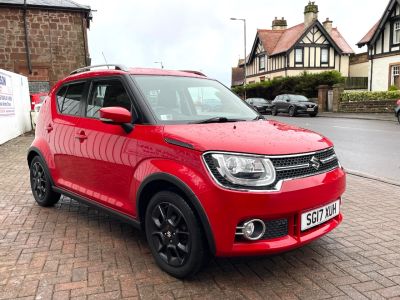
<point x="368" y="106"/>
<point x="57" y="41"/>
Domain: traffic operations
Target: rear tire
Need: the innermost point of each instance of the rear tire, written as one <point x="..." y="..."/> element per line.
<point x="292" y="111"/>
<point x="41" y="184"/>
<point x="174" y="235"/>
<point x="274" y="111"/>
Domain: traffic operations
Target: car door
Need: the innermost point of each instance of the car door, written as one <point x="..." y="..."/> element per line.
<point x="285" y="103"/>
<point x="105" y="152"/>
<point x="279" y="102"/>
<point x="60" y="132"/>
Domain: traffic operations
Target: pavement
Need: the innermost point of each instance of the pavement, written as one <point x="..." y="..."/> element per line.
<point x="71" y="251"/>
<point x="362" y="116"/>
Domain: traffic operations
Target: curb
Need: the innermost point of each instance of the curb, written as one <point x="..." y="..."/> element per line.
<point x="354" y="118"/>
<point x="367" y="176"/>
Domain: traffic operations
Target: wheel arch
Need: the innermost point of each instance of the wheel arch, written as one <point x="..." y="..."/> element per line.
<point x="32" y="153"/>
<point x="163" y="181"/>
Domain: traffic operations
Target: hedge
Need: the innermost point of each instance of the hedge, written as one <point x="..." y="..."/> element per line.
<point x="370" y="96"/>
<point x="305" y="84"/>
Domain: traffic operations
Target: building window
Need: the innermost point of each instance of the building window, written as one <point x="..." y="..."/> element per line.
<point x="396" y="33"/>
<point x="324" y="56"/>
<point x="395" y="76"/>
<point x="298" y="53"/>
<point x="261" y="63"/>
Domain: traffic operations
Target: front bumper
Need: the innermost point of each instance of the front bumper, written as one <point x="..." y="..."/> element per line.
<point x="229" y="208"/>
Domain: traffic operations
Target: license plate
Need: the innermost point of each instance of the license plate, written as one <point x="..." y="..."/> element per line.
<point x="310" y="109"/>
<point x="320" y="215"/>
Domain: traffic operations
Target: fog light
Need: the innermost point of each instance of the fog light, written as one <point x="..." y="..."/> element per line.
<point x="253" y="230"/>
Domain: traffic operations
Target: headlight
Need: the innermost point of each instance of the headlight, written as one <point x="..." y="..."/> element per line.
<point x="243" y="170"/>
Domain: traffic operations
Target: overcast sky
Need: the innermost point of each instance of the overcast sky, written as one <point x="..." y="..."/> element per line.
<point x="199" y="35"/>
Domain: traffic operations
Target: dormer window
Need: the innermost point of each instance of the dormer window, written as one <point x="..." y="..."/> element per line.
<point x="396" y="33"/>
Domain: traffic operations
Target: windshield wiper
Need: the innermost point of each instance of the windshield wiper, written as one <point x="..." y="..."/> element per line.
<point x="217" y="120"/>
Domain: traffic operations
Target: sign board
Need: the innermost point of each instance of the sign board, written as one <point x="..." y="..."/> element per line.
<point x="7" y="107"/>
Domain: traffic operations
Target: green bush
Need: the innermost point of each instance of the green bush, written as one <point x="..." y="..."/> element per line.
<point x="305" y="84"/>
<point x="393" y="88"/>
<point x="370" y="96"/>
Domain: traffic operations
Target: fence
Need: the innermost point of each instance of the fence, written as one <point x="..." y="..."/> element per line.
<point x="356" y="83"/>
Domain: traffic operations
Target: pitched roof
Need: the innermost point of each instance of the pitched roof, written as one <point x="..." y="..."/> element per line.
<point x="280" y="41"/>
<point x="341" y="41"/>
<point x="374" y="31"/>
<point x="368" y="36"/>
<point x="55" y="4"/>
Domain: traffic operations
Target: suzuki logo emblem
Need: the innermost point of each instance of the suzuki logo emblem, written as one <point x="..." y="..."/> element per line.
<point x="315" y="163"/>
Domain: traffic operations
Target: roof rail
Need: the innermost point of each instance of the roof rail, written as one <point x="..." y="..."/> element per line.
<point x="88" y="68"/>
<point x="194" y="72"/>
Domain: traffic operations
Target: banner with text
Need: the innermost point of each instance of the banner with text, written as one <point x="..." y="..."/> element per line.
<point x="7" y="107"/>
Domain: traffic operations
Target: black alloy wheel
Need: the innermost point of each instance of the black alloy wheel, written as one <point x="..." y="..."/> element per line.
<point x="174" y="235"/>
<point x="292" y="111"/>
<point x="41" y="184"/>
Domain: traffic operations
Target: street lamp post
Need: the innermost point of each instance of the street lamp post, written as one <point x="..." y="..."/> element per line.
<point x="161" y="64"/>
<point x="245" y="57"/>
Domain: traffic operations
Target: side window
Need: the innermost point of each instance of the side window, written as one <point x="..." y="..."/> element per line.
<point x="107" y="93"/>
<point x="69" y="104"/>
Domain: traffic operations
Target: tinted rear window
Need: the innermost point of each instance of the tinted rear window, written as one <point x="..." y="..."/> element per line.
<point x="69" y="100"/>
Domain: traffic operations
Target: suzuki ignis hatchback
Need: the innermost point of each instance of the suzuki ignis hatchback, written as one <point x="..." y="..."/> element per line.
<point x="140" y="144"/>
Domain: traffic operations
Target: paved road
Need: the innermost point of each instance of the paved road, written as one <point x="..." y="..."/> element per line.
<point x="71" y="251"/>
<point x="367" y="146"/>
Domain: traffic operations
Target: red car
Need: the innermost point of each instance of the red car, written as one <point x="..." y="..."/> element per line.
<point x="37" y="99"/>
<point x="198" y="182"/>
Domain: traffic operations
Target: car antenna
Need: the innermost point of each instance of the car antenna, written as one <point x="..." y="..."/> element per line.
<point x="105" y="59"/>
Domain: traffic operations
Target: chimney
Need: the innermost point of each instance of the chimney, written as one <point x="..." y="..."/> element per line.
<point x="328" y="25"/>
<point x="279" y="24"/>
<point x="310" y="14"/>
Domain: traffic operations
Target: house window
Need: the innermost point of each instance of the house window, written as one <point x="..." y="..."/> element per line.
<point x="396" y="76"/>
<point x="298" y="53"/>
<point x="396" y="31"/>
<point x="324" y="55"/>
<point x="261" y="63"/>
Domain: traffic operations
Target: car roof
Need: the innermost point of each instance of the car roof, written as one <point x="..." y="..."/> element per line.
<point x="133" y="71"/>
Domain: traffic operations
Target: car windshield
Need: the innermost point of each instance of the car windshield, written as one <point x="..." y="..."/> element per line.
<point x="175" y="99"/>
<point x="298" y="98"/>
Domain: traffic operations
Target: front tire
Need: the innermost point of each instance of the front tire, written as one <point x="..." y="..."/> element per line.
<point x="312" y="115"/>
<point x="398" y="117"/>
<point x="41" y="185"/>
<point x="174" y="235"/>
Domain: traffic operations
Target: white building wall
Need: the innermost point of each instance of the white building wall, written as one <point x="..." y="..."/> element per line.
<point x="15" y="119"/>
<point x="380" y="77"/>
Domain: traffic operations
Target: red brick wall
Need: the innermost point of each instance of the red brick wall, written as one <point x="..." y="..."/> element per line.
<point x="57" y="41"/>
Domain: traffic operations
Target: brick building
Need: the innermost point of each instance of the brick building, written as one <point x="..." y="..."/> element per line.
<point x="43" y="39"/>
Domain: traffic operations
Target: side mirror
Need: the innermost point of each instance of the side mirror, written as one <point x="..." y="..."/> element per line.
<point x="287" y="100"/>
<point x="117" y="115"/>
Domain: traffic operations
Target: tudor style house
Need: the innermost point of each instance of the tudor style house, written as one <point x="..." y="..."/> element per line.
<point x="309" y="46"/>
<point x="383" y="41"/>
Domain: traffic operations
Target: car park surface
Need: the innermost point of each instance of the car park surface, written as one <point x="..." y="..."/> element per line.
<point x="73" y="251"/>
<point x="133" y="143"/>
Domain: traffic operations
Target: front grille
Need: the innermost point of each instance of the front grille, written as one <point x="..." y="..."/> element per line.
<point x="275" y="229"/>
<point x="289" y="167"/>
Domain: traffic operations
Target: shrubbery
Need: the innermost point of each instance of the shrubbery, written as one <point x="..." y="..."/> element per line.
<point x="305" y="84"/>
<point x="370" y="96"/>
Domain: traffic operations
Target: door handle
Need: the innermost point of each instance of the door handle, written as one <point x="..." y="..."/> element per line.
<point x="49" y="128"/>
<point x="81" y="136"/>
